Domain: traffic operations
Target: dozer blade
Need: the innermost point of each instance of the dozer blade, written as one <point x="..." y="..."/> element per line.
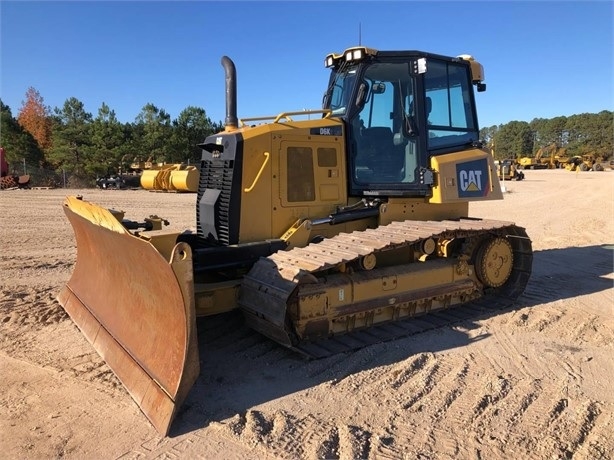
<point x="136" y="308"/>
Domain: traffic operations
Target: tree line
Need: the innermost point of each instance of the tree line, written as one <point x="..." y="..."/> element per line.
<point x="578" y="134"/>
<point x="73" y="141"/>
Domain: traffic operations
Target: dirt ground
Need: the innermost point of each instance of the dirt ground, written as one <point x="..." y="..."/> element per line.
<point x="531" y="381"/>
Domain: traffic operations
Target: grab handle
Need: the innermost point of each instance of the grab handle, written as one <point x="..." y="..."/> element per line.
<point x="266" y="160"/>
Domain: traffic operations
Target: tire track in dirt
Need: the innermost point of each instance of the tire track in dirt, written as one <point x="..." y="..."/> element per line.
<point x="323" y="369"/>
<point x="543" y="289"/>
<point x="471" y="399"/>
<point x="551" y="426"/>
<point x="420" y="386"/>
<point x="393" y="385"/>
<point x="424" y="383"/>
<point x="349" y="368"/>
<point x="507" y="422"/>
<point x="287" y="436"/>
<point x="358" y="372"/>
<point x="567" y="428"/>
<point x="559" y="322"/>
<point x="514" y="420"/>
<point x="30" y="308"/>
<point x="542" y="319"/>
<point x="446" y="389"/>
<point x="43" y="263"/>
<point x="92" y="368"/>
<point x="588" y="327"/>
<point x="598" y="443"/>
<point x="571" y="337"/>
<point x="393" y="442"/>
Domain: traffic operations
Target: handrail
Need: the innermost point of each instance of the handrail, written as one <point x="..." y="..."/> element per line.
<point x="286" y="115"/>
<point x="266" y="160"/>
<point x="303" y="112"/>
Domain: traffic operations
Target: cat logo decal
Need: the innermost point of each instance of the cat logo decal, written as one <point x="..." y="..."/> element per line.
<point x="472" y="178"/>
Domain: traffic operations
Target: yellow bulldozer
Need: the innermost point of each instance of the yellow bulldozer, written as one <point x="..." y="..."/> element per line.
<point x="508" y="170"/>
<point x="586" y="162"/>
<point x="329" y="233"/>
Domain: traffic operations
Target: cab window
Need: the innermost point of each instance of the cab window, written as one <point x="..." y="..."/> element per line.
<point x="385" y="154"/>
<point x="451" y="120"/>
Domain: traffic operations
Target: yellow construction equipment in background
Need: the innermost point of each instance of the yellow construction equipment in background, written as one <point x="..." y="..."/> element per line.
<point x="586" y="162"/>
<point x="508" y="170"/>
<point x="549" y="157"/>
<point x="170" y="178"/>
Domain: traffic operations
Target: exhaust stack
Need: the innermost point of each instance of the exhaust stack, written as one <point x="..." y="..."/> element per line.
<point x="230" y="71"/>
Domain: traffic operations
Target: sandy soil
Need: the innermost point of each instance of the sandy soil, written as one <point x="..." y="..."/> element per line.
<point x="532" y="381"/>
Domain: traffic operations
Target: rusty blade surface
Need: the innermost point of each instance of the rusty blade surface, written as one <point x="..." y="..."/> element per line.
<point x="136" y="309"/>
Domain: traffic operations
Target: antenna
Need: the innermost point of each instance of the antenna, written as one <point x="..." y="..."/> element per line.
<point x="359" y="35"/>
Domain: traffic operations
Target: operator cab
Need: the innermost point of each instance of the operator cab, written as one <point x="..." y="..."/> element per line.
<point x="401" y="108"/>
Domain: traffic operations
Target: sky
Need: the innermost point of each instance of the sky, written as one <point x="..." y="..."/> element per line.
<point x="542" y="59"/>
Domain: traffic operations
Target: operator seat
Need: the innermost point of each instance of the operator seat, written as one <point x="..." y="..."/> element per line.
<point x="377" y="137"/>
<point x="384" y="158"/>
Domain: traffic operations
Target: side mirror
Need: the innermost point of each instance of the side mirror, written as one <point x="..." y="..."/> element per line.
<point x="378" y="88"/>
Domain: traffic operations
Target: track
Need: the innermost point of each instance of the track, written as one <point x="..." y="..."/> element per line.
<point x="273" y="283"/>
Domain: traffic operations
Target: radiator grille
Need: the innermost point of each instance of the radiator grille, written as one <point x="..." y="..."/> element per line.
<point x="217" y="175"/>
